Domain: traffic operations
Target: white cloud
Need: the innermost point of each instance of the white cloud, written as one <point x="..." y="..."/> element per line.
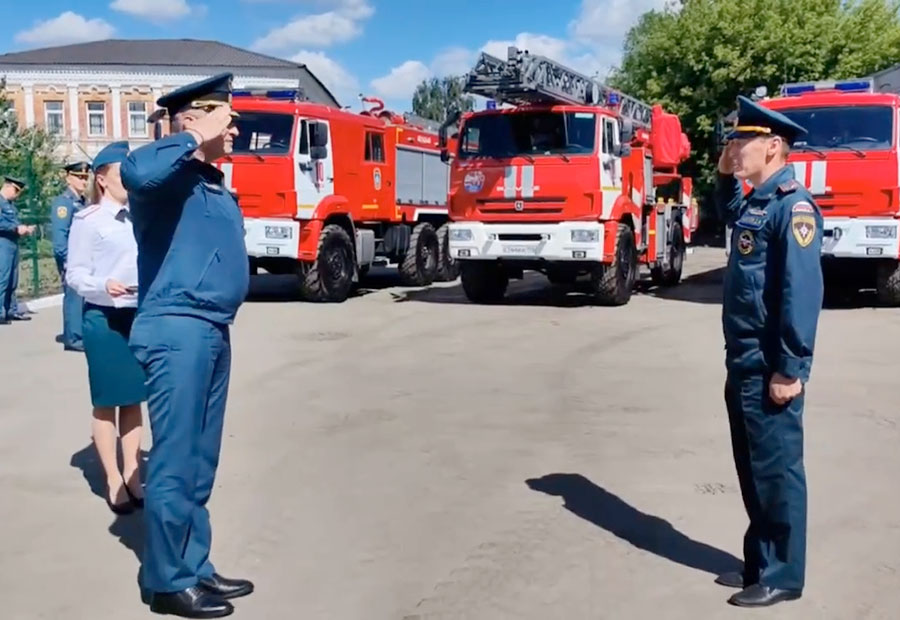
<point x="153" y="10"/>
<point x="339" y="25"/>
<point x="342" y="84"/>
<point x="67" y="28"/>
<point x="453" y="61"/>
<point x="402" y="81"/>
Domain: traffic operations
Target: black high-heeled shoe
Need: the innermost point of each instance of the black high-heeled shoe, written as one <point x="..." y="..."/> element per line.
<point x="120" y="509"/>
<point x="138" y="502"/>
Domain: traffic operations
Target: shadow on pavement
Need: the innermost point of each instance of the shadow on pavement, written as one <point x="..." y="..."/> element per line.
<point x="704" y="287"/>
<point x="281" y="288"/>
<point x="129" y="529"/>
<point x="650" y="533"/>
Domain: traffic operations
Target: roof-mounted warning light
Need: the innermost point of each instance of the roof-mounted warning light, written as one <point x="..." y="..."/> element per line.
<point x="863" y="85"/>
<point x="288" y="94"/>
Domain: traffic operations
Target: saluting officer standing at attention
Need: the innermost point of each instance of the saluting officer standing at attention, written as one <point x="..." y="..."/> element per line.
<point x="193" y="274"/>
<point x="772" y="299"/>
<point x="62" y="210"/>
<point x="10" y="231"/>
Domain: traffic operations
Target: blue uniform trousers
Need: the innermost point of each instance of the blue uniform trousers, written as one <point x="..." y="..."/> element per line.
<point x="9" y="276"/>
<point x="767" y="440"/>
<point x="73" y="310"/>
<point x="187" y="361"/>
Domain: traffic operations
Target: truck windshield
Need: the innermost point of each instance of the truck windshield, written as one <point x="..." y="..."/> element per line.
<point x="528" y="133"/>
<point x="263" y="133"/>
<point x="866" y="128"/>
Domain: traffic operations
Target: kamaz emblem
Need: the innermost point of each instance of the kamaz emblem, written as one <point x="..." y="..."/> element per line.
<point x="519" y="205"/>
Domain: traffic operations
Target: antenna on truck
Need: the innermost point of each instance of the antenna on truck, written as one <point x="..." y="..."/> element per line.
<point x="525" y="78"/>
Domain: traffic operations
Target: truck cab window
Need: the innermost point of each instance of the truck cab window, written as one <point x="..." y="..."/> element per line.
<point x="263" y="133"/>
<point x="374" y="147"/>
<point x="609" y="140"/>
<point x="303" y="142"/>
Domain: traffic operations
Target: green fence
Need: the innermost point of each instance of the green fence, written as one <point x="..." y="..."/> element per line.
<point x="38" y="275"/>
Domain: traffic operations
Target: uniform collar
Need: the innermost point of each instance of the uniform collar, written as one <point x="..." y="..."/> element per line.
<point x="74" y="196"/>
<point x="768" y="187"/>
<point x="111" y="205"/>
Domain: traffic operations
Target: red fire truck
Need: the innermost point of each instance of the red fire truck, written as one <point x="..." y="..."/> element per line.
<point x="327" y="193"/>
<point x="567" y="177"/>
<point x="849" y="162"/>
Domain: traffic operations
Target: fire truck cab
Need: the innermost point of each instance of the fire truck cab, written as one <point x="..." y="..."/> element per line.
<point x="327" y="193"/>
<point x="571" y="179"/>
<point x="849" y="162"/>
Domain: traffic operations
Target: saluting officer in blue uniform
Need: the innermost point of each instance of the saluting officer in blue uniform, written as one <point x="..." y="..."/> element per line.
<point x="10" y="231"/>
<point x="62" y="210"/>
<point x="772" y="299"/>
<point x="193" y="274"/>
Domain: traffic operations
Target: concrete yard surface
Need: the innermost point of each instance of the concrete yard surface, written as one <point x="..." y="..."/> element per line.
<point x="407" y="455"/>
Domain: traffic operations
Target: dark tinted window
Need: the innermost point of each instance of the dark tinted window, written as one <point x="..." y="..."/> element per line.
<point x="528" y="133"/>
<point x="263" y="133"/>
<point x="859" y="127"/>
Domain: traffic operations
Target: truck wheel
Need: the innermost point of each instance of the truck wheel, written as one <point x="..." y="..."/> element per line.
<point x="483" y="282"/>
<point x="676" y="250"/>
<point x="420" y="263"/>
<point x="888" y="283"/>
<point x="448" y="268"/>
<point x="330" y="277"/>
<point x="612" y="284"/>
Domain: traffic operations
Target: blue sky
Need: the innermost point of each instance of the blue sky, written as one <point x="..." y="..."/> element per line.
<point x="375" y="47"/>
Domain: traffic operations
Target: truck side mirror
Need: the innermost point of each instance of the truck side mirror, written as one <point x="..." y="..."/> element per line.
<point x="318" y="152"/>
<point x="626" y="131"/>
<point x="318" y="136"/>
<point x="452" y="119"/>
<point x="624" y="150"/>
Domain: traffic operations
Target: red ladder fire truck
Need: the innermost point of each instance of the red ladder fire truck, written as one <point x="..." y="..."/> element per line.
<point x="567" y="177"/>
<point x="327" y="193"/>
<point x="849" y="162"/>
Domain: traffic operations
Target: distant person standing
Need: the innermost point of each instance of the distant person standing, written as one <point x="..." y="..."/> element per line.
<point x="10" y="231"/>
<point x="194" y="274"/>
<point x="102" y="267"/>
<point x="63" y="208"/>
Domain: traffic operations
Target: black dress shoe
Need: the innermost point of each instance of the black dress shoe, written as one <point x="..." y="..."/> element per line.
<point x="733" y="579"/>
<point x="226" y="588"/>
<point x="137" y="502"/>
<point x="195" y="602"/>
<point x="125" y="508"/>
<point x="759" y="595"/>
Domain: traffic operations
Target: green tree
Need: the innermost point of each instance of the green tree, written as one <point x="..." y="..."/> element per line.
<point x="696" y="56"/>
<point x="436" y="98"/>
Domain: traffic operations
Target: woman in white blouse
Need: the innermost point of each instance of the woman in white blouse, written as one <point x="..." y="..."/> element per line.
<point x="102" y="268"/>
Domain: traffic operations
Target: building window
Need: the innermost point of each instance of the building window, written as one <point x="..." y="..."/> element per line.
<point x="53" y="117"/>
<point x="96" y="118"/>
<point x="137" y="119"/>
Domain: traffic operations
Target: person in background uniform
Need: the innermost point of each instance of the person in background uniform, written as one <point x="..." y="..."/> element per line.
<point x="62" y="210"/>
<point x="772" y="299"/>
<point x="193" y="274"/>
<point x="102" y="268"/>
<point x="10" y="231"/>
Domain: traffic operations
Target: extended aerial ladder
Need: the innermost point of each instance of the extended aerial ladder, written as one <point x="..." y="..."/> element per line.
<point x="527" y="78"/>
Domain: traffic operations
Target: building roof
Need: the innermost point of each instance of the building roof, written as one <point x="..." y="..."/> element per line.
<point x="188" y="56"/>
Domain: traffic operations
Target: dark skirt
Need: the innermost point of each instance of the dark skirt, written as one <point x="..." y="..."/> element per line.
<point x="115" y="376"/>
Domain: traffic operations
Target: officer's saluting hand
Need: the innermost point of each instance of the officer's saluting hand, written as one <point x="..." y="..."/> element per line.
<point x="193" y="275"/>
<point x="772" y="298"/>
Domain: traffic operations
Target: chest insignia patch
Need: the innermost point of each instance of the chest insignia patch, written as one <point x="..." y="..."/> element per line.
<point x="804" y="229"/>
<point x="61" y="212"/>
<point x="745" y="242"/>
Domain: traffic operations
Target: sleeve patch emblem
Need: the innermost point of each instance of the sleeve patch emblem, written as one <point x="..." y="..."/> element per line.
<point x="745" y="242"/>
<point x="803" y="207"/>
<point x="61" y="212"/>
<point x="804" y="229"/>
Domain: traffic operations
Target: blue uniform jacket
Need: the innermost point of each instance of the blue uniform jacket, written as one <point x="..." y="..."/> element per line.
<point x="190" y="233"/>
<point x="773" y="284"/>
<point x="9" y="220"/>
<point x="61" y="211"/>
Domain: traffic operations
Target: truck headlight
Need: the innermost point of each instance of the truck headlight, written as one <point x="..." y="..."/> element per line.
<point x="460" y="234"/>
<point x="278" y="232"/>
<point x="585" y="236"/>
<point x="881" y="232"/>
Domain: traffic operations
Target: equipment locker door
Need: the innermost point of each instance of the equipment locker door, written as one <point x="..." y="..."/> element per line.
<point x="313" y="178"/>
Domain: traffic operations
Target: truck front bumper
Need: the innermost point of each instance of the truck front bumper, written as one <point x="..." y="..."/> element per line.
<point x="847" y="237"/>
<point x="564" y="241"/>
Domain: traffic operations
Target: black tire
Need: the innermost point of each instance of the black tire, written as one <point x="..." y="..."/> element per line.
<point x="671" y="275"/>
<point x="888" y="283"/>
<point x="612" y="284"/>
<point x="420" y="263"/>
<point x="448" y="268"/>
<point x="484" y="282"/>
<point x="330" y="278"/>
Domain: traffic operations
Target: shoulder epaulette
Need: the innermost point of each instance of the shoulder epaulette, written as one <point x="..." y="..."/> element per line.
<point x="87" y="211"/>
<point x="789" y="186"/>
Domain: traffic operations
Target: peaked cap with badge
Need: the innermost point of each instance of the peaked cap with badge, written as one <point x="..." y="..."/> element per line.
<point x="755" y="120"/>
<point x="203" y="94"/>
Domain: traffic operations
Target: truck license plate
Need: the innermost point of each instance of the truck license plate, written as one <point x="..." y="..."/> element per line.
<point x="520" y="250"/>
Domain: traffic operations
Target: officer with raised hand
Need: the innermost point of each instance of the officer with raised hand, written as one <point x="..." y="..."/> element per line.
<point x="772" y="299"/>
<point x="62" y="210"/>
<point x="10" y="231"/>
<point x="193" y="274"/>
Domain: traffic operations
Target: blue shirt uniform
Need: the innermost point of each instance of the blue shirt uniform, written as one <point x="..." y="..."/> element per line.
<point x="772" y="298"/>
<point x="62" y="211"/>
<point x="9" y="258"/>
